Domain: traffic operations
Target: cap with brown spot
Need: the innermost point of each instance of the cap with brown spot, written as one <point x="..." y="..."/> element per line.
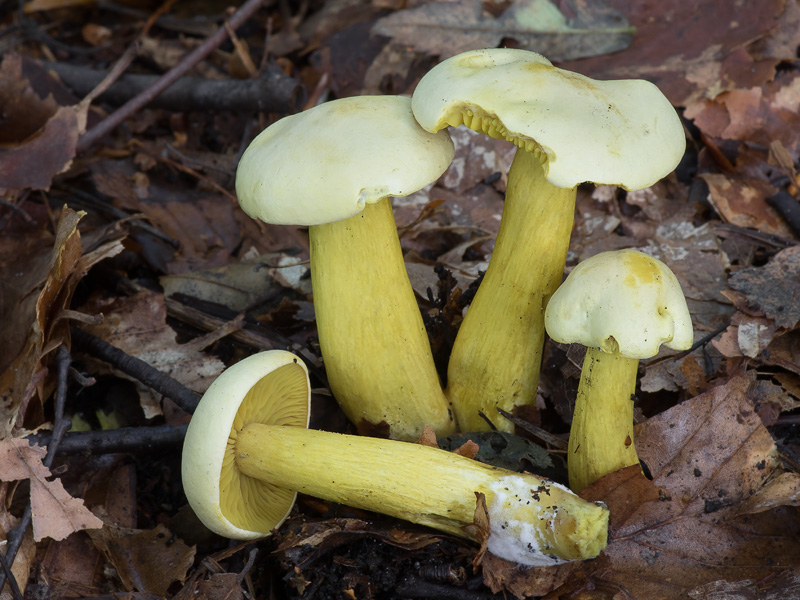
<point x="621" y="301"/>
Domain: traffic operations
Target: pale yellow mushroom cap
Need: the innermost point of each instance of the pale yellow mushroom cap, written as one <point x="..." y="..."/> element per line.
<point x="270" y="388"/>
<point x="623" y="133"/>
<point x="324" y="164"/>
<point x="621" y="301"/>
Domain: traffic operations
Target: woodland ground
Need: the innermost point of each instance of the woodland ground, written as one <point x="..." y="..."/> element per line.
<point x="119" y="220"/>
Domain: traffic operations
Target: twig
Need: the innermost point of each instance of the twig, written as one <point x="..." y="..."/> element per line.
<point x="193" y="25"/>
<point x="83" y="198"/>
<point x="788" y="207"/>
<point x="187" y="62"/>
<point x="768" y="239"/>
<point x="413" y="587"/>
<point x="489" y="422"/>
<point x="12" y="581"/>
<point x="108" y="79"/>
<point x="134" y="440"/>
<point x="13" y="207"/>
<point x="272" y="91"/>
<point x="138" y="369"/>
<point x="257" y="335"/>
<point x="188" y="170"/>
<point x="698" y="344"/>
<point x="534" y="430"/>
<point x="60" y="424"/>
<point x="29" y="28"/>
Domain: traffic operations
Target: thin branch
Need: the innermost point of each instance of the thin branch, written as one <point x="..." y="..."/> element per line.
<point x="9" y="576"/>
<point x="187" y="62"/>
<point x="133" y="440"/>
<point x="272" y="91"/>
<point x="698" y="344"/>
<point x="138" y="369"/>
<point x="534" y="430"/>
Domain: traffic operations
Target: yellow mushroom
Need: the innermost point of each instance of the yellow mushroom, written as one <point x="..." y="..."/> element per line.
<point x="569" y="129"/>
<point x="334" y="168"/>
<point x="622" y="305"/>
<point x="247" y="452"/>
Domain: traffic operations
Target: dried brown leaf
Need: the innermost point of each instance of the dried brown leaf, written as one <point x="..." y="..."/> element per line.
<point x="468" y="449"/>
<point x="480" y="529"/>
<point x="138" y="326"/>
<point x="505" y="576"/>
<point x="742" y="201"/>
<point x="44" y="136"/>
<point x="55" y="514"/>
<point x="235" y="285"/>
<point x="221" y="586"/>
<point x="46" y="325"/>
<point x="428" y="437"/>
<point x="784" y="352"/>
<point x="24" y="110"/>
<point x="773" y="289"/>
<point x="447" y="27"/>
<point x="75" y="566"/>
<point x="708" y="456"/>
<point x="145" y="560"/>
<point x="783" y="490"/>
<point x="746" y="336"/>
<point x="780" y="587"/>
<point x="692" y="53"/>
<point x="330" y="533"/>
<point x="25" y="558"/>
<point x="760" y="115"/>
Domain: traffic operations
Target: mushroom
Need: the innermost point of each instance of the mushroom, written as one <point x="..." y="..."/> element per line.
<point x="247" y="452"/>
<point x="569" y="129"/>
<point x="622" y="305"/>
<point x="334" y="168"/>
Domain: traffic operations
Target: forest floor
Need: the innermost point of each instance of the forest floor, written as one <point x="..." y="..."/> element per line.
<point x="120" y="224"/>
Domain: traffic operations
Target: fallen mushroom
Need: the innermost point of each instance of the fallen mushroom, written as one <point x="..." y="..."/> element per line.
<point x="622" y="305"/>
<point x="569" y="129"/>
<point x="334" y="168"/>
<point x="247" y="452"/>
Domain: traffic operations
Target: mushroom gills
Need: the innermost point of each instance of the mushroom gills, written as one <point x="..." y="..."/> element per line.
<point x="489" y="124"/>
<point x="277" y="400"/>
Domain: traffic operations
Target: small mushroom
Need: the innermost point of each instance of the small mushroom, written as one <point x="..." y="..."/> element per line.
<point x="569" y="129"/>
<point x="622" y="305"/>
<point x="334" y="168"/>
<point x="247" y="452"/>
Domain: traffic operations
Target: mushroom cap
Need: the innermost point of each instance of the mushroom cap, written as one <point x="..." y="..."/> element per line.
<point x="623" y="132"/>
<point x="271" y="388"/>
<point x="327" y="163"/>
<point x="621" y="301"/>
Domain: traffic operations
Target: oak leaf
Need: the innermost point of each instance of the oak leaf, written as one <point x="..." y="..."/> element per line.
<point x="449" y="27"/>
<point x="55" y="514"/>
<point x="697" y="524"/>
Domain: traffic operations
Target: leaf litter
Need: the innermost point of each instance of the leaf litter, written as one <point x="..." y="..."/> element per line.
<point x="151" y="224"/>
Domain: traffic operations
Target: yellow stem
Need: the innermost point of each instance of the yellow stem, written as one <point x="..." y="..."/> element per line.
<point x="496" y="356"/>
<point x="601" y="437"/>
<point x="376" y="351"/>
<point x="427" y="486"/>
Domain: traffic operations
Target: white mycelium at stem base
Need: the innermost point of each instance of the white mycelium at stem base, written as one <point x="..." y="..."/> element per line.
<point x="533" y="521"/>
<point x="576" y="130"/>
